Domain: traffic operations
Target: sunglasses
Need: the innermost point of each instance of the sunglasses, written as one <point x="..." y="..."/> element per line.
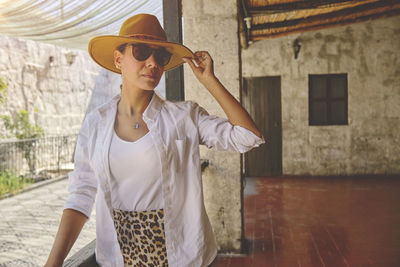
<point x="142" y="52"/>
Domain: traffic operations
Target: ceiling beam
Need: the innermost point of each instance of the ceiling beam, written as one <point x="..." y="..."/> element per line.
<point x="293" y="6"/>
<point x="393" y="12"/>
<point x="334" y="14"/>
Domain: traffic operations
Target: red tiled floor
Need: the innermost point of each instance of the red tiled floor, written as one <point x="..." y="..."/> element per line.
<point x="324" y="221"/>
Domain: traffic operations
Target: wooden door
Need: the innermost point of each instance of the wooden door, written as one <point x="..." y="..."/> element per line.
<point x="262" y="98"/>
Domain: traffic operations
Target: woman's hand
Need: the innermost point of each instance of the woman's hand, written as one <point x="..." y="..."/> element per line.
<point x="204" y="67"/>
<point x="204" y="72"/>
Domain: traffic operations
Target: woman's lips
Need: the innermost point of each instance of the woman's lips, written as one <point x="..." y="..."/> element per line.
<point x="150" y="76"/>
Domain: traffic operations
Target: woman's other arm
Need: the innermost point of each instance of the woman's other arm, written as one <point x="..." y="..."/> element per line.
<point x="82" y="188"/>
<point x="204" y="72"/>
<point x="71" y="224"/>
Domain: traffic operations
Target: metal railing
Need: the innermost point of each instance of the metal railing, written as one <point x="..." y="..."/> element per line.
<point x="31" y="157"/>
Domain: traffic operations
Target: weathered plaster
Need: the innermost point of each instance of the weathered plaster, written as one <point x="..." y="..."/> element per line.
<point x="369" y="53"/>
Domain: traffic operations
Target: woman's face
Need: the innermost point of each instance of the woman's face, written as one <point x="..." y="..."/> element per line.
<point x="144" y="74"/>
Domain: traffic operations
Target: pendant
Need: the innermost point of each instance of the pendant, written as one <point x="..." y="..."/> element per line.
<point x="136" y="126"/>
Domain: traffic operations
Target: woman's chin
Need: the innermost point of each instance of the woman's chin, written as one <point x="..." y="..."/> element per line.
<point x="150" y="86"/>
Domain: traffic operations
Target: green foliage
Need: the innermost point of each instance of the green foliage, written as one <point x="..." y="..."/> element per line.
<point x="21" y="128"/>
<point x="3" y="91"/>
<point x="10" y="183"/>
<point x="18" y="126"/>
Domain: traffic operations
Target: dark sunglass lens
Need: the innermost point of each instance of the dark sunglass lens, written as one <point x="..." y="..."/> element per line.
<point x="141" y="51"/>
<point x="162" y="57"/>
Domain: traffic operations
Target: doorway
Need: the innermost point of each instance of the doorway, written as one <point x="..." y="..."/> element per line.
<point x="262" y="99"/>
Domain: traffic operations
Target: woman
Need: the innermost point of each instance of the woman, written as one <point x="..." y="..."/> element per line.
<point x="139" y="155"/>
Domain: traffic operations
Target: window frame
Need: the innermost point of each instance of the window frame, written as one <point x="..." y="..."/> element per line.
<point x="328" y="99"/>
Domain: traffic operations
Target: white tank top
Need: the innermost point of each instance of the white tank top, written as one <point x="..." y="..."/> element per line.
<point x="135" y="174"/>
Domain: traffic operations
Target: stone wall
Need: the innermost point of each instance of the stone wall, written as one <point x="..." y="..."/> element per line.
<point x="57" y="85"/>
<point x="212" y="26"/>
<point x="369" y="52"/>
<point x="53" y="84"/>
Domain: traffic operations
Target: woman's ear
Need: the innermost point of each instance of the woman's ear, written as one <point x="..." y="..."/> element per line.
<point x="117" y="59"/>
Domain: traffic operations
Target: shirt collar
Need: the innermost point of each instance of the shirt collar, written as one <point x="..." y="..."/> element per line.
<point x="154" y="107"/>
<point x="150" y="113"/>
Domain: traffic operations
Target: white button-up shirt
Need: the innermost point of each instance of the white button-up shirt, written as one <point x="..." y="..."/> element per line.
<point x="177" y="130"/>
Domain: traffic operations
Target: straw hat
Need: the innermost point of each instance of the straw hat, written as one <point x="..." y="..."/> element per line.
<point x="141" y="28"/>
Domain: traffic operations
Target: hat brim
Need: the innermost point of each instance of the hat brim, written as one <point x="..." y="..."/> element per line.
<point x="101" y="50"/>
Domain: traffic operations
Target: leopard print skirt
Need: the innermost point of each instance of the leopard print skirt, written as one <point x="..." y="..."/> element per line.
<point x="141" y="237"/>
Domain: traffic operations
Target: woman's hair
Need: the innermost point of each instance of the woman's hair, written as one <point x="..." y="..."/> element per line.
<point x="121" y="48"/>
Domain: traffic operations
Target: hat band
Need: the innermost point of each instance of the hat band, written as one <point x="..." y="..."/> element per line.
<point x="146" y="37"/>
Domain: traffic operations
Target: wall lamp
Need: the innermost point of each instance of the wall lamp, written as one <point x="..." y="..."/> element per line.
<point x="296" y="48"/>
<point x="70" y="57"/>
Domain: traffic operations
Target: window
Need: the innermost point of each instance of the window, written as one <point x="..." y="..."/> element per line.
<point x="327" y="99"/>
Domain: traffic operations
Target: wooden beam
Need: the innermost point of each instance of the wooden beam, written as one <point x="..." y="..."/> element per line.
<point x="84" y="257"/>
<point x="244" y="32"/>
<point x="316" y="18"/>
<point x="390" y="13"/>
<point x="174" y="86"/>
<point x="243" y="8"/>
<point x="292" y="6"/>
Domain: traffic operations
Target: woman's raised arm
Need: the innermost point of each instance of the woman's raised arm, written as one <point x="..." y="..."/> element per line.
<point x="204" y="72"/>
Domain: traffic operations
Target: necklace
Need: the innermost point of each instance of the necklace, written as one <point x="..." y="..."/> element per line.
<point x="136" y="125"/>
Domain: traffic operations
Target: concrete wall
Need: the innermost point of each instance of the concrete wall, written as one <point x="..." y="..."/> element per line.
<point x="369" y="52"/>
<point x="212" y="26"/>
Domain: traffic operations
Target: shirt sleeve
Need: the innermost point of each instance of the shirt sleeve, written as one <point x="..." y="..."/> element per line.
<point x="82" y="185"/>
<point x="218" y="133"/>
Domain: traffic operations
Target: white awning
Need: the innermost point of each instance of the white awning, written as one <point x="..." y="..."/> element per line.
<point x="70" y="23"/>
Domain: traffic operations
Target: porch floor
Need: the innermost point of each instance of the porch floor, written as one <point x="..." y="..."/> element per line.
<point x="320" y="221"/>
